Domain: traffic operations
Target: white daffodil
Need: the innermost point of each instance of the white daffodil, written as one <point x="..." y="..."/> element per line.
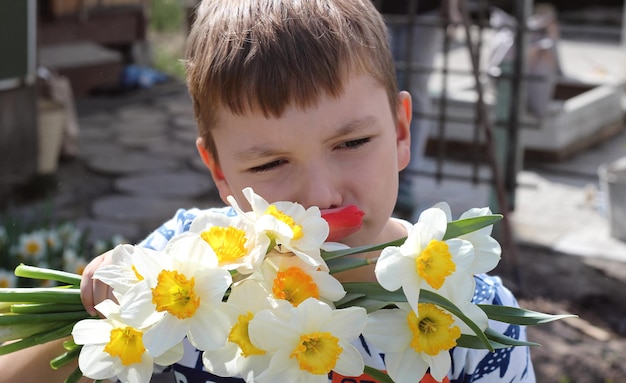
<point x="424" y="259"/>
<point x="113" y="349"/>
<point x="239" y="357"/>
<point x="121" y="274"/>
<point x="292" y="227"/>
<point x="234" y="241"/>
<point x="412" y="342"/>
<point x="180" y="295"/>
<point x="308" y="341"/>
<point x="487" y="250"/>
<point x="288" y="277"/>
<point x="32" y="246"/>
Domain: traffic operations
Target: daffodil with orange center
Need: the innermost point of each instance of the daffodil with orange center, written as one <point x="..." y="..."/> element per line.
<point x="290" y="278"/>
<point x="179" y="296"/>
<point x="114" y="350"/>
<point x="308" y="341"/>
<point x="291" y="227"/>
<point x="425" y="260"/>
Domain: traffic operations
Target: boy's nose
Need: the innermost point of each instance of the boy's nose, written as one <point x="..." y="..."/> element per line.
<point x="321" y="188"/>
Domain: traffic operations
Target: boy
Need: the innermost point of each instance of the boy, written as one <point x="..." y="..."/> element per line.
<point x="298" y="100"/>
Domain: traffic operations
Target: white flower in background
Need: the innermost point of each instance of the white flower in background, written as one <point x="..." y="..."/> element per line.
<point x="70" y="235"/>
<point x="288" y="277"/>
<point x="234" y="242"/>
<point x="32" y="246"/>
<point x="487" y="250"/>
<point x="72" y="262"/>
<point x="292" y="227"/>
<point x="425" y="260"/>
<point x="180" y="295"/>
<point x="7" y="279"/>
<point x="412" y="342"/>
<point x="239" y="357"/>
<point x="53" y="240"/>
<point x="308" y="341"/>
<point x="113" y="349"/>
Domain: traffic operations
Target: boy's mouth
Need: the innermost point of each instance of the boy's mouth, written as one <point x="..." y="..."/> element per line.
<point x="342" y="221"/>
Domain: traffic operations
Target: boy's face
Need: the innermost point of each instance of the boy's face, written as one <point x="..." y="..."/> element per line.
<point x="341" y="151"/>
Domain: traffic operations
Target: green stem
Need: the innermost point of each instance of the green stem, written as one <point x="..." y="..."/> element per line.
<point x="40" y="295"/>
<point x="33" y="272"/>
<point x="11" y="319"/>
<point x="74" y="376"/>
<point x="33" y="340"/>
<point x="38" y="308"/>
<point x="65" y="358"/>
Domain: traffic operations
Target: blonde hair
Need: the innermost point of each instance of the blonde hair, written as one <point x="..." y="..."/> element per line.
<point x="264" y="55"/>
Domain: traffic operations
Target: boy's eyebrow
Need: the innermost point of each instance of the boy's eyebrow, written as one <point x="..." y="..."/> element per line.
<point x="355" y="125"/>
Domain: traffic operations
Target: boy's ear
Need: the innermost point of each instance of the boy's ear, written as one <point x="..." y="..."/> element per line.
<point x="216" y="171"/>
<point x="404" y="114"/>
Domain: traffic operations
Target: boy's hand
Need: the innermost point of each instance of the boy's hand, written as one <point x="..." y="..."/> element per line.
<point x="93" y="291"/>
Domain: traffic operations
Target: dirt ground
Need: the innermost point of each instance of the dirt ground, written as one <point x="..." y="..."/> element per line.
<point x="587" y="349"/>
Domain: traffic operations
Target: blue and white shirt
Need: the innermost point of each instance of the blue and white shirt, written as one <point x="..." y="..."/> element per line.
<point x="510" y="365"/>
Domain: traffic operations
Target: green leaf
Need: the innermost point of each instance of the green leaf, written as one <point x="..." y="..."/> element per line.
<point x="337" y="265"/>
<point x="380" y="376"/>
<point x="468" y="225"/>
<point x="37" y="308"/>
<point x="65" y="358"/>
<point x="75" y="376"/>
<point x="516" y="315"/>
<point x="472" y="341"/>
<point x="328" y="255"/>
<point x="500" y="338"/>
<point x="373" y="290"/>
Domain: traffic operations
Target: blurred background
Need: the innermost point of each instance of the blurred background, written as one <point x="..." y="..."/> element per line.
<point x="518" y="105"/>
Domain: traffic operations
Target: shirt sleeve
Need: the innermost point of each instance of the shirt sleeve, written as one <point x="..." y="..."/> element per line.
<point x="511" y="364"/>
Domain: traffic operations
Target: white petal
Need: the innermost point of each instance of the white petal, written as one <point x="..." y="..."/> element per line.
<point x="434" y="225"/>
<point x="387" y="330"/>
<point x="350" y="362"/>
<point x="347" y="323"/>
<point x="222" y="361"/>
<point x="388" y="267"/>
<point x="170" y="356"/>
<point x="95" y="363"/>
<point x="138" y="373"/>
<point x="92" y="331"/>
<point x="164" y="335"/>
<point x="209" y="328"/>
<point x="439" y="364"/>
<point x="268" y="330"/>
<point x="405" y="367"/>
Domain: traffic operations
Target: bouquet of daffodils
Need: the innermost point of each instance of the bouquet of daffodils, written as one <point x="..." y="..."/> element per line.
<point x="255" y="293"/>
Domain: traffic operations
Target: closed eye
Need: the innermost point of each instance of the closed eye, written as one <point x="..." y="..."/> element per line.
<point x="268" y="166"/>
<point x="354" y="144"/>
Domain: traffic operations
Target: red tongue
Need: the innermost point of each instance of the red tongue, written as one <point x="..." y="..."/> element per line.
<point x="342" y="221"/>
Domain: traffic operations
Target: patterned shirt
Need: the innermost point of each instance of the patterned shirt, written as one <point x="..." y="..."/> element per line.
<point x="510" y="365"/>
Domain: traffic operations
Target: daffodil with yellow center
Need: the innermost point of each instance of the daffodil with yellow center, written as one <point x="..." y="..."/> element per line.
<point x="231" y="240"/>
<point x="308" y="341"/>
<point x="126" y="344"/>
<point x="239" y="335"/>
<point x="292" y="228"/>
<point x="317" y="353"/>
<point x="114" y="350"/>
<point x="433" y="331"/>
<point x="425" y="260"/>
<point x="239" y="356"/>
<point x="122" y="274"/>
<point x="180" y="295"/>
<point x="175" y="294"/>
<point x="295" y="228"/>
<point x="435" y="263"/>
<point x="229" y="243"/>
<point x="413" y="344"/>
